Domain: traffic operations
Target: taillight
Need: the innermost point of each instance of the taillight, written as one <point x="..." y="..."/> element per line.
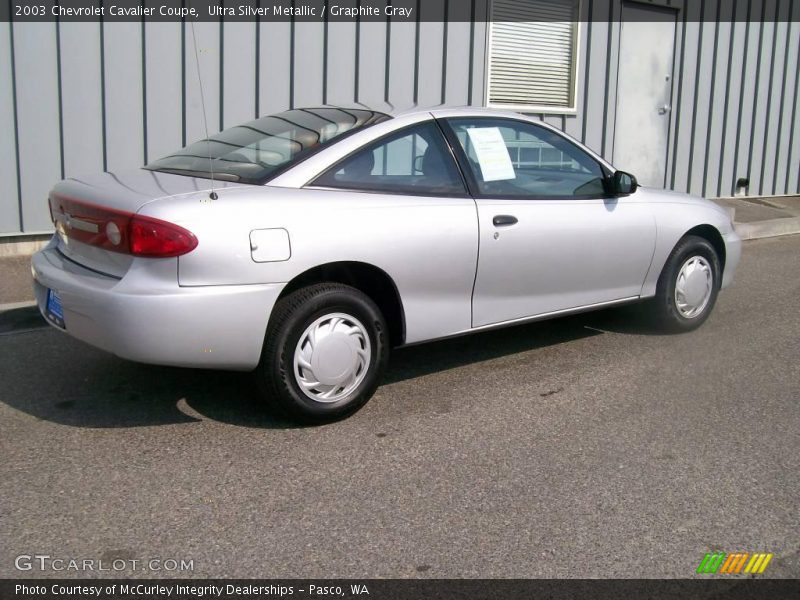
<point x="156" y="238"/>
<point x="118" y="230"/>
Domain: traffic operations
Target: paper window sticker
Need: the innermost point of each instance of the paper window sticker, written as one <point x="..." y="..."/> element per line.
<point x="490" y="149"/>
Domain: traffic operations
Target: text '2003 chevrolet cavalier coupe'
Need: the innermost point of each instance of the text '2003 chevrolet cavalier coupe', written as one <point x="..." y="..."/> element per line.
<point x="305" y="244"/>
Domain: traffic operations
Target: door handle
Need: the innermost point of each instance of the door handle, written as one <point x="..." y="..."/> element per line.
<point x="662" y="110"/>
<point x="504" y="220"/>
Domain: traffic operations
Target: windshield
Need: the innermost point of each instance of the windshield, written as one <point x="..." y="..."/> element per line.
<point x="253" y="152"/>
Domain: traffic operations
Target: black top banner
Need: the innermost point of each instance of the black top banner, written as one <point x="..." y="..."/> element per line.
<point x="378" y="10"/>
<point x="394" y="589"/>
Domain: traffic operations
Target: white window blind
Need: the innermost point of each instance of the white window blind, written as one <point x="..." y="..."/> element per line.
<point x="532" y="53"/>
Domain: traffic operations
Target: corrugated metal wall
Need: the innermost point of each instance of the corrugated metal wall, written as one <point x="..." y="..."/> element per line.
<point x="735" y="93"/>
<point x="83" y="97"/>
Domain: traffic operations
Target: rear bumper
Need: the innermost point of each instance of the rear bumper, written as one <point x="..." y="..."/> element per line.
<point x="147" y="317"/>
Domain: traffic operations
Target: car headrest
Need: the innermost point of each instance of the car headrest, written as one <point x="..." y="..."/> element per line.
<point x="432" y="163"/>
<point x="360" y="165"/>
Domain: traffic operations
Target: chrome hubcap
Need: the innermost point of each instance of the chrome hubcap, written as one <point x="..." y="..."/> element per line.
<point x="693" y="287"/>
<point x="332" y="357"/>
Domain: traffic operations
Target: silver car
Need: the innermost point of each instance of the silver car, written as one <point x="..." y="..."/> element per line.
<point x="304" y="245"/>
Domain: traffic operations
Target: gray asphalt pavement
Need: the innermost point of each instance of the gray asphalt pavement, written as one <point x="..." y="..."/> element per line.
<point x="583" y="447"/>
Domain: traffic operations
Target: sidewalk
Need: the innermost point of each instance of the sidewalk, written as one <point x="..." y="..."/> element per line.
<point x="764" y="217"/>
<point x="754" y="218"/>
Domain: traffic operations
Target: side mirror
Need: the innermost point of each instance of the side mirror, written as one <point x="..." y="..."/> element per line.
<point x="622" y="183"/>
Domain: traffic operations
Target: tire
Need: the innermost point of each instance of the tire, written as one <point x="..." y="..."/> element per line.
<point x="343" y="334"/>
<point x="696" y="259"/>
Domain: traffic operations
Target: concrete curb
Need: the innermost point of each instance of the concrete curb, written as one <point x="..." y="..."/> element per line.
<point x="23" y="245"/>
<point x="770" y="228"/>
<point x="15" y="305"/>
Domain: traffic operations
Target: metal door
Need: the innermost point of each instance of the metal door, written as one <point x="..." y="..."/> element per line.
<point x="644" y="91"/>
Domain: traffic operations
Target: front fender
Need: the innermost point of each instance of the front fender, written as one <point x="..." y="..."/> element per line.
<point x="677" y="214"/>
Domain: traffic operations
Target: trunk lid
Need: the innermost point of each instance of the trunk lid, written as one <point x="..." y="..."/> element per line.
<point x="123" y="191"/>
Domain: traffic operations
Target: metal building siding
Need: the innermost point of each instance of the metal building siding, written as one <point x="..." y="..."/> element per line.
<point x="790" y="141"/>
<point x="37" y="118"/>
<point x="124" y="94"/>
<point x="238" y="73"/>
<point x="735" y="95"/>
<point x="81" y="107"/>
<point x="731" y="115"/>
<point x="164" y="98"/>
<point x="9" y="192"/>
<point x="77" y="96"/>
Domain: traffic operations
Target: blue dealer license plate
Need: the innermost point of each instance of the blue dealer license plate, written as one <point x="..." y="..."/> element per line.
<point x="54" y="311"/>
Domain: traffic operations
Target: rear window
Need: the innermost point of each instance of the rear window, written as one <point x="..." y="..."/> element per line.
<point x="256" y="151"/>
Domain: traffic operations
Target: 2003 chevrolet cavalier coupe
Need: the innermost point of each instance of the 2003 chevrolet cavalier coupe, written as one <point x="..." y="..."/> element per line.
<point x="305" y="244"/>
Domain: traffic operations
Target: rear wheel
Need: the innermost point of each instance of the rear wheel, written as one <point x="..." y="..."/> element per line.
<point x="324" y="354"/>
<point x="688" y="286"/>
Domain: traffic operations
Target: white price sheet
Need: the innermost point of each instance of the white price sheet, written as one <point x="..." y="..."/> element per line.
<point x="493" y="158"/>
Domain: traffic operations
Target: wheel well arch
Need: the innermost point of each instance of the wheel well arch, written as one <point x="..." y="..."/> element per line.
<point x="367" y="278"/>
<point x="714" y="237"/>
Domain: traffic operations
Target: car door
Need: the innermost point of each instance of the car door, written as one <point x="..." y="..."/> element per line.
<point x="550" y="238"/>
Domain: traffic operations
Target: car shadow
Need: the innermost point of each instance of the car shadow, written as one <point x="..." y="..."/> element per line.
<point x="84" y="387"/>
<point x="415" y="361"/>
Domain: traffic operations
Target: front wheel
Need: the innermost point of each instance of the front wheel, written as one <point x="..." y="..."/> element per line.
<point x="324" y="354"/>
<point x="688" y="286"/>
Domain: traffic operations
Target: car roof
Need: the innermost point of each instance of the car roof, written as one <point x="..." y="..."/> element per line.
<point x="438" y="110"/>
<point x="465" y="111"/>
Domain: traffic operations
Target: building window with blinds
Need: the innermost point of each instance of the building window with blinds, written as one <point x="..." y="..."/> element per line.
<point x="533" y="55"/>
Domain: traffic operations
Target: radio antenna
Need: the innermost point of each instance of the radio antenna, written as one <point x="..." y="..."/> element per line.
<point x="213" y="194"/>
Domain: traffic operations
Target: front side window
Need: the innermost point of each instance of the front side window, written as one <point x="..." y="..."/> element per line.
<point x="415" y="160"/>
<point x="255" y="151"/>
<point x="511" y="158"/>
